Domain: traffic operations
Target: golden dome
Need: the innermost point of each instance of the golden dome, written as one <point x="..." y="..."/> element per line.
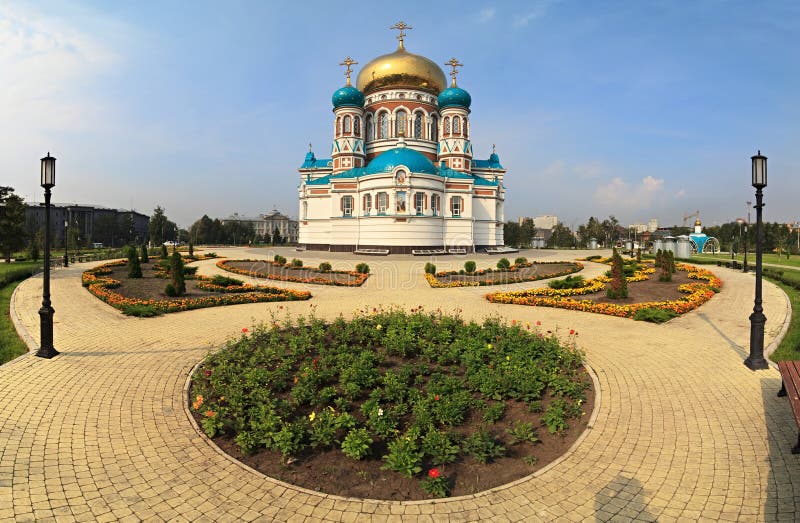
<point x="697" y="222"/>
<point x="401" y="69"/>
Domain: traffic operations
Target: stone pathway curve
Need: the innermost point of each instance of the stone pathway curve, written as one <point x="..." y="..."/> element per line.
<point x="683" y="429"/>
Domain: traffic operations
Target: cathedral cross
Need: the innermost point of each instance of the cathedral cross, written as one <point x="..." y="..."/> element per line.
<point x="400" y="26"/>
<point x="454" y="64"/>
<point x="347" y="63"/>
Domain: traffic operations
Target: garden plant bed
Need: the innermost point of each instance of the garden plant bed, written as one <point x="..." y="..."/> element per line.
<point x="689" y="288"/>
<point x="283" y="272"/>
<point x="145" y="296"/>
<point x="393" y="405"/>
<point x="530" y="271"/>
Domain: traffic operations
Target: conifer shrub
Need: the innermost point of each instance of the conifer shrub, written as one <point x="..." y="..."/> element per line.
<point x="134" y="268"/>
<point x="618" y="286"/>
<point x="176" y="271"/>
<point x="325" y="267"/>
<point x="503" y="263"/>
<point x="430" y="268"/>
<point x="521" y="260"/>
<point x="145" y="255"/>
<point x="164" y="253"/>
<point x="469" y="266"/>
<point x="362" y="268"/>
<point x="191" y="250"/>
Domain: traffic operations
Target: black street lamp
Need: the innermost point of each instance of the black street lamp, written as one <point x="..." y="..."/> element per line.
<point x="746" y="225"/>
<point x="66" y="243"/>
<point x="757" y="320"/>
<point x="48" y="181"/>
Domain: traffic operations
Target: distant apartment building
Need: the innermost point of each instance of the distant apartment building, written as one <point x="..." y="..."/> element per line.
<point x="650" y="226"/>
<point x="94" y="224"/>
<point x="267" y="223"/>
<point x="544" y="222"/>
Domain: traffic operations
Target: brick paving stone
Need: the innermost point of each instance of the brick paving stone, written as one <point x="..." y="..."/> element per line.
<point x="684" y="431"/>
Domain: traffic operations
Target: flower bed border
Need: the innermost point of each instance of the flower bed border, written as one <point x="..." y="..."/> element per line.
<point x="697" y="294"/>
<point x="360" y="277"/>
<point x="101" y="286"/>
<point x="434" y="282"/>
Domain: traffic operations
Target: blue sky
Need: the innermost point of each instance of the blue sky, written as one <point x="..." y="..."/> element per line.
<point x="641" y="109"/>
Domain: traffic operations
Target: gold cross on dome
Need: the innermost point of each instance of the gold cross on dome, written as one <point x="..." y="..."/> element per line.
<point x="401" y="25"/>
<point x="454" y="64"/>
<point x="347" y="63"/>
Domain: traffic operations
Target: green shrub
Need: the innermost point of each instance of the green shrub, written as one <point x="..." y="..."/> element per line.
<point x="404" y="455"/>
<point x="134" y="268"/>
<point x="297" y="263"/>
<point x="555" y="417"/>
<point x="522" y="431"/>
<point x="224" y="281"/>
<point x="618" y="286"/>
<point x="170" y="291"/>
<point x="469" y="266"/>
<point x="141" y="311"/>
<point x="503" y="263"/>
<point x="176" y="271"/>
<point x="430" y="268"/>
<point x="593" y="257"/>
<point x="279" y="259"/>
<point x="440" y="447"/>
<point x="483" y="447"/>
<point x="164" y="253"/>
<point x="33" y="249"/>
<point x="570" y="282"/>
<point x="189" y="271"/>
<point x="325" y="267"/>
<point x="362" y="268"/>
<point x="145" y="257"/>
<point x="521" y="260"/>
<point x="356" y="444"/>
<point x="191" y="250"/>
<point x="654" y="315"/>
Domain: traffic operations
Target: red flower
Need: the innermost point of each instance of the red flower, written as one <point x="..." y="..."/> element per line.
<point x="538" y="322"/>
<point x="571" y="332"/>
<point x="244" y="329"/>
<point x="208" y="373"/>
<point x="433" y="473"/>
<point x="437" y="399"/>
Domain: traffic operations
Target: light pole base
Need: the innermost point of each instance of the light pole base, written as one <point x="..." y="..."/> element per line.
<point x="756" y="363"/>
<point x="47" y="352"/>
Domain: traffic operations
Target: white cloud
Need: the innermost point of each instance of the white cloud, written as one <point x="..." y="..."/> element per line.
<point x="681" y="193"/>
<point x="538" y="10"/>
<point x="486" y="15"/>
<point x="619" y="194"/>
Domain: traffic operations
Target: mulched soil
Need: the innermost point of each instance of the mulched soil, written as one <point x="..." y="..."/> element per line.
<point x="149" y="287"/>
<point x="332" y="472"/>
<point x="499" y="278"/>
<point x="282" y="272"/>
<point x="646" y="291"/>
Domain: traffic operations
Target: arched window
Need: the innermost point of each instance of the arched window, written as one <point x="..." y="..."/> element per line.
<point x="338" y="125"/>
<point x="347" y="205"/>
<point x="447" y="126"/>
<point x="456" y="206"/>
<point x="347" y="124"/>
<point x="435" y="204"/>
<point x="367" y="203"/>
<point x="434" y="128"/>
<point x="400" y="123"/>
<point x="382" y="202"/>
<point x="466" y="128"/>
<point x="383" y="126"/>
<point x="369" y="135"/>
<point x="357" y="125"/>
<point x="305" y="210"/>
<point x="456" y="125"/>
<point x="419" y="202"/>
<point x="418" y="125"/>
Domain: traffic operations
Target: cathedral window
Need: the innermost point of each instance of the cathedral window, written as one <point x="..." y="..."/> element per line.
<point x="418" y="125"/>
<point x="400" y="123"/>
<point x="456" y="125"/>
<point x="456" y="205"/>
<point x="383" y="126"/>
<point x="447" y="126"/>
<point x="434" y="128"/>
<point x="369" y="135"/>
<point x="347" y="205"/>
<point x="357" y="125"/>
<point x="435" y="204"/>
<point x="382" y="201"/>
<point x="338" y="126"/>
<point x="367" y="203"/>
<point x="419" y="202"/>
<point x="466" y="128"/>
<point x="305" y="210"/>
<point x="347" y="124"/>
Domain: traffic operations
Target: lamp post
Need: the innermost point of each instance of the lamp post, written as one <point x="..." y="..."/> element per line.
<point x="757" y="320"/>
<point x="48" y="181"/>
<point x="66" y="243"/>
<point x="746" y="225"/>
<point x="740" y="221"/>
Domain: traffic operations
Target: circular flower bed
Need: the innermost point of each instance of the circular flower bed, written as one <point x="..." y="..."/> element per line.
<point x="392" y="405"/>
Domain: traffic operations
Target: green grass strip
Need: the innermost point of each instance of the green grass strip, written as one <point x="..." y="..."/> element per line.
<point x="10" y="344"/>
<point x="789" y="349"/>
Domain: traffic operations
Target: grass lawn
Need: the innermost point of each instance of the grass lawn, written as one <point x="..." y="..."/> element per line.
<point x="10" y="344"/>
<point x="789" y="349"/>
<point x="768" y="257"/>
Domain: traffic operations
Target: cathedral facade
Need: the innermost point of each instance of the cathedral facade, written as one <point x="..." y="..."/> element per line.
<point x="401" y="176"/>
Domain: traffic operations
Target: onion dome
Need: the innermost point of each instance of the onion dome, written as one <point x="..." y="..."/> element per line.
<point x="347" y="96"/>
<point x="697" y="222"/>
<point x="401" y="69"/>
<point x="454" y="97"/>
<point x="414" y="161"/>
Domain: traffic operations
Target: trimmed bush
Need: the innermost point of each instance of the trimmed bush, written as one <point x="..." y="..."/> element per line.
<point x="362" y="268"/>
<point x="654" y="315"/>
<point x="430" y="268"/>
<point x="176" y="270"/>
<point x="521" y="260"/>
<point x="618" y="287"/>
<point x="224" y="281"/>
<point x="191" y="250"/>
<point x="279" y="259"/>
<point x="134" y="269"/>
<point x="145" y="256"/>
<point x="164" y="253"/>
<point x="325" y="267"/>
<point x="503" y="263"/>
<point x="469" y="266"/>
<point x="297" y="263"/>
<point x="170" y="291"/>
<point x="570" y="282"/>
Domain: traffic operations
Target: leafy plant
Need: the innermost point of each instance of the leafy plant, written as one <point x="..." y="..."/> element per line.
<point x="503" y="263"/>
<point x="430" y="268"/>
<point x="357" y="443"/>
<point x="570" y="282"/>
<point x="439" y="446"/>
<point x="191" y="250"/>
<point x="469" y="266"/>
<point x="134" y="269"/>
<point x="176" y="271"/>
<point x="280" y="260"/>
<point x="618" y="287"/>
<point x="325" y="267"/>
<point x="145" y="257"/>
<point x="521" y="260"/>
<point x="404" y="455"/>
<point x="362" y="268"/>
<point x="555" y="416"/>
<point x="483" y="446"/>
<point x="224" y="281"/>
<point x="297" y="263"/>
<point x="522" y="431"/>
<point x="289" y="440"/>
<point x="494" y="412"/>
<point x="141" y="311"/>
<point x="436" y="484"/>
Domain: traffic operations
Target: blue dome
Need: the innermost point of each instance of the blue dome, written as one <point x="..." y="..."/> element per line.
<point x="386" y="162"/>
<point x="454" y="97"/>
<point x="493" y="158"/>
<point x="347" y="96"/>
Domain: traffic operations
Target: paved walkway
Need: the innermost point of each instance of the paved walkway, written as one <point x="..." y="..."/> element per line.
<point x="683" y="429"/>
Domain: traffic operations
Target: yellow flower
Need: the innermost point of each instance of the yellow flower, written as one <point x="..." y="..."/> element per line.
<point x="312" y="416"/>
<point x="488" y="345"/>
<point x="378" y="326"/>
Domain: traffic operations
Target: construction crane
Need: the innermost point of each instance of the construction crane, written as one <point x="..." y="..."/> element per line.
<point x="686" y="217"/>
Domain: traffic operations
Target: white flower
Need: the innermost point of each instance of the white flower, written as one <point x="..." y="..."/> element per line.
<point x="380" y="411"/>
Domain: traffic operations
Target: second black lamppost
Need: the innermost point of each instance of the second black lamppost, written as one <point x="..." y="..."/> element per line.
<point x="757" y="319"/>
<point x="48" y="181"/>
